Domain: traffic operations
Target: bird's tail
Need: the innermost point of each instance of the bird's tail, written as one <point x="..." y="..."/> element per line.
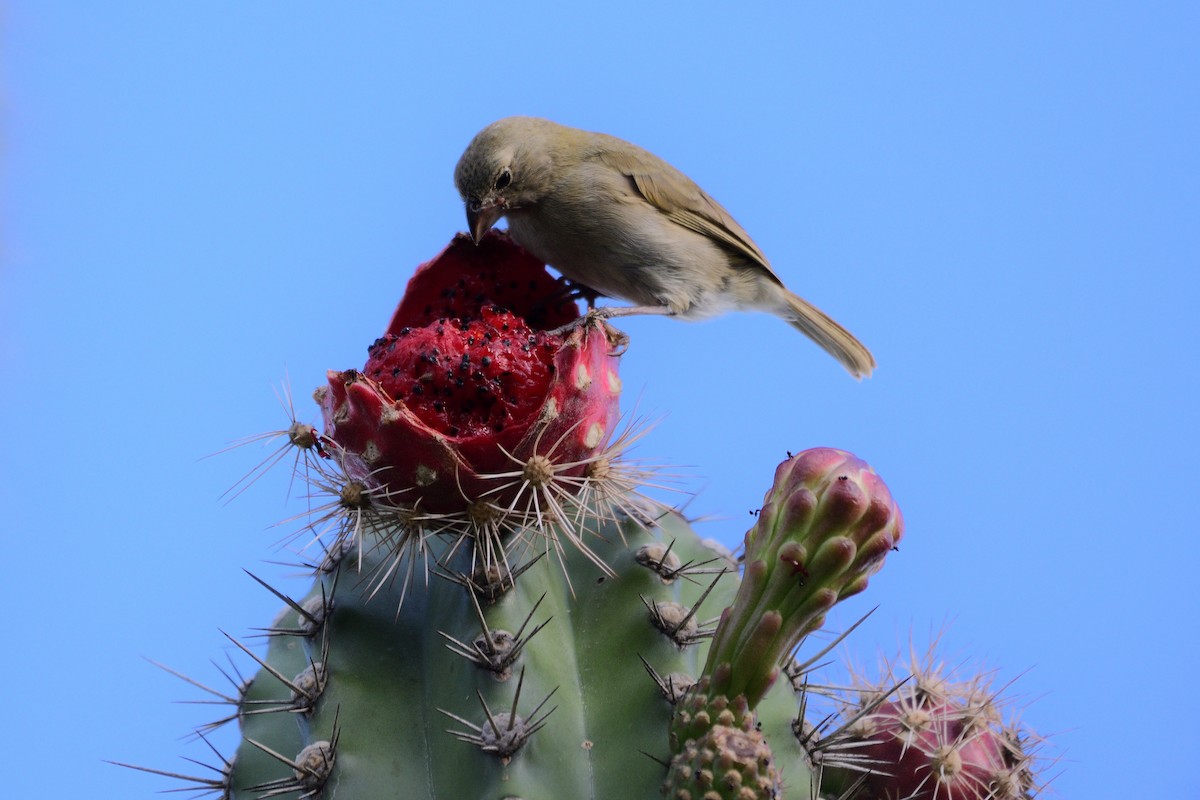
<point x="836" y="340"/>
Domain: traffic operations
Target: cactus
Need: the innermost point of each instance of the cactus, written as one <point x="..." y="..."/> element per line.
<point x="498" y="613"/>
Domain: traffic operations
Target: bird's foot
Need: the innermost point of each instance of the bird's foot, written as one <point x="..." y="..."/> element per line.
<point x="603" y="313"/>
<point x="598" y="317"/>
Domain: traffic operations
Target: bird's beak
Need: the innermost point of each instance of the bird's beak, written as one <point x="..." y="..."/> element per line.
<point x="481" y="217"/>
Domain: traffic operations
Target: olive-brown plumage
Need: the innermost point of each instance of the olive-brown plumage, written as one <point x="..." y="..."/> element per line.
<point x="622" y="222"/>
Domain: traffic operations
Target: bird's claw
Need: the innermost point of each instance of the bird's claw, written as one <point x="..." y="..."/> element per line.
<point x="597" y="318"/>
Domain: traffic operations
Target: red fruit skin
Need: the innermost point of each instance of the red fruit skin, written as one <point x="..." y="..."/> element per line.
<point x="466" y="277"/>
<point x="385" y="442"/>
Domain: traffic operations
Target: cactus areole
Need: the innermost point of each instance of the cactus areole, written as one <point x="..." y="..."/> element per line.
<point x="469" y="396"/>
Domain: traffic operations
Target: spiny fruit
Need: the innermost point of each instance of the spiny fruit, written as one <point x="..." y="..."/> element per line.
<point x="929" y="736"/>
<point x="465" y="278"/>
<point x="467" y="378"/>
<point x="469" y="399"/>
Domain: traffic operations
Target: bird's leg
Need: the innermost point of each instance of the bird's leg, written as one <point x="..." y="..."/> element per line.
<point x="608" y="312"/>
<point x="604" y="313"/>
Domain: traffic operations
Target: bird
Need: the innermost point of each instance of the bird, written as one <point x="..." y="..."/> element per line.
<point x="623" y="223"/>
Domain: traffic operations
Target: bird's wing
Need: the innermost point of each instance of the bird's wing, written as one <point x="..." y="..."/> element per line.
<point x="683" y="202"/>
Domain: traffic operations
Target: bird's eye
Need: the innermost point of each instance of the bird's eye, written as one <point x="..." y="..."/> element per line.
<point x="503" y="179"/>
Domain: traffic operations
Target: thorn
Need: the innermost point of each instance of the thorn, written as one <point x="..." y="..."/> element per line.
<point x="204" y="785"/>
<point x="503" y="733"/>
<point x="674" y="686"/>
<point x="312" y="612"/>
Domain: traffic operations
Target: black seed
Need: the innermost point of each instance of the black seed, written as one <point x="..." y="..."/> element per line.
<point x="454" y="430"/>
<point x="405" y="331"/>
<point x="486" y="360"/>
<point x="506" y="342"/>
<point x="395" y="371"/>
<point x="437" y="405"/>
<point x="417" y="390"/>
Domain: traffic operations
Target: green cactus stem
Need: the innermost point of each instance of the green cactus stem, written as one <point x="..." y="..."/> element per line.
<point x="538" y="691"/>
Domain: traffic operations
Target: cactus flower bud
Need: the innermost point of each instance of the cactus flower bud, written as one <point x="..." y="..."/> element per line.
<point x="825" y="527"/>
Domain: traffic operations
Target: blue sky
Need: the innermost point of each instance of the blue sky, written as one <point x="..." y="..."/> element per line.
<point x="201" y="200"/>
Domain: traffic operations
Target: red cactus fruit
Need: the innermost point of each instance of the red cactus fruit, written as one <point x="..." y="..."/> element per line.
<point x="468" y="397"/>
<point x="932" y="738"/>
<point x="943" y="750"/>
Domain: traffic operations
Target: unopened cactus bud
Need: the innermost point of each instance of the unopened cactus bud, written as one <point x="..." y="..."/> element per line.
<point x="825" y="527"/>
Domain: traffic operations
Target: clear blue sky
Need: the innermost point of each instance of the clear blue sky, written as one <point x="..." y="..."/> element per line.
<point x="1000" y="199"/>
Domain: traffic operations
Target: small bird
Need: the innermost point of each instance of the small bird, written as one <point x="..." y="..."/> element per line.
<point x="626" y="224"/>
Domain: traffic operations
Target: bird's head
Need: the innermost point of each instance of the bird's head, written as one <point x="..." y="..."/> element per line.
<point x="507" y="166"/>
